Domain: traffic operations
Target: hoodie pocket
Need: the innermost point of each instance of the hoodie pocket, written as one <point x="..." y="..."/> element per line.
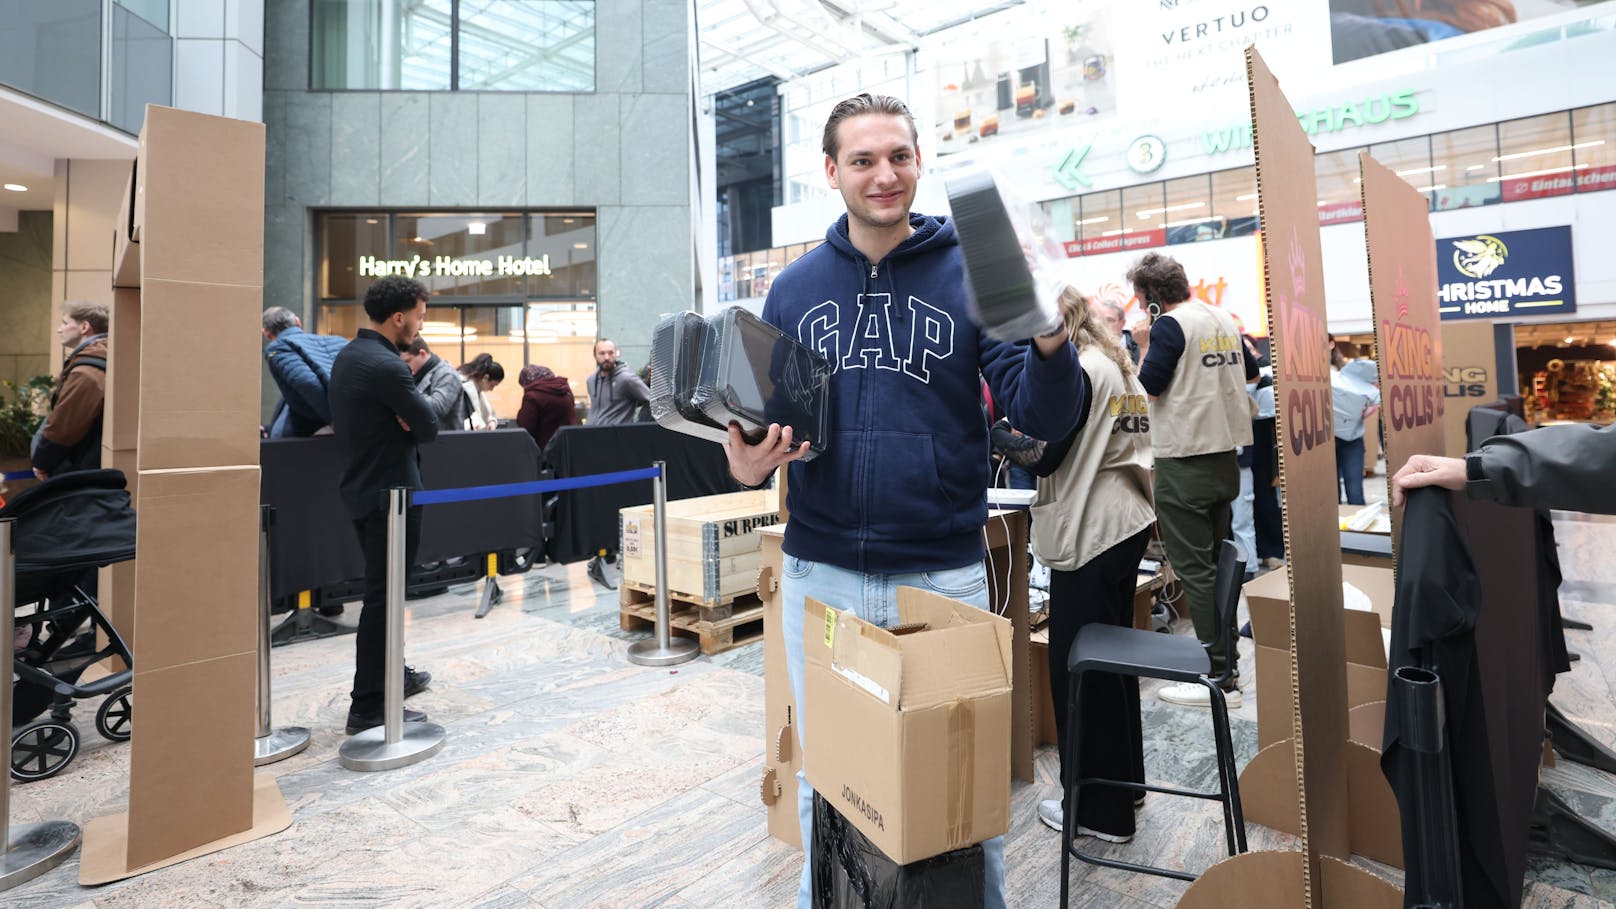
<point x="907" y="498"/>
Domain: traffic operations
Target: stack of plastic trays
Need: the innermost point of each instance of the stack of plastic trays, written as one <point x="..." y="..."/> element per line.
<point x="1003" y="294"/>
<point x="754" y="375"/>
<point x="677" y="345"/>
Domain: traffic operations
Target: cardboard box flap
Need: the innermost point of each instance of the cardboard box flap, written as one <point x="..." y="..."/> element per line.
<point x="863" y="654"/>
<point x="938" y="611"/>
<point x="1270" y="620"/>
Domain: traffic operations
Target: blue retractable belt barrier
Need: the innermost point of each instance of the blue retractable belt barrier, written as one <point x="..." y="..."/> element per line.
<point x="17" y="475"/>
<point x="473" y="493"/>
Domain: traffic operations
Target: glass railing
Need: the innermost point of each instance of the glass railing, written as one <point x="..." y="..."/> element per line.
<point x="53" y="51"/>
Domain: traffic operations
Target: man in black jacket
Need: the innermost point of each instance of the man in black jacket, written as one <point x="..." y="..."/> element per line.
<point x="379" y="419"/>
<point x="1567" y="467"/>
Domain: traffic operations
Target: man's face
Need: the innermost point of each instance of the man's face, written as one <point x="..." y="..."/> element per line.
<point x="407" y="324"/>
<point x="1114" y="318"/>
<point x="606" y="356"/>
<point x="876" y="169"/>
<point x="71" y="332"/>
<point x="415" y="360"/>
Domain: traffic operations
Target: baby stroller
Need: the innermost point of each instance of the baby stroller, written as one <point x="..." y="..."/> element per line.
<point x="66" y="528"/>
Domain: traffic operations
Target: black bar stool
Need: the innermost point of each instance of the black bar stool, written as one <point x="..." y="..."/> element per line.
<point x="1176" y="658"/>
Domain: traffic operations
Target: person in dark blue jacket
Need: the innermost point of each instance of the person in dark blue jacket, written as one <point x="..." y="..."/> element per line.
<point x="899" y="496"/>
<point x="300" y="363"/>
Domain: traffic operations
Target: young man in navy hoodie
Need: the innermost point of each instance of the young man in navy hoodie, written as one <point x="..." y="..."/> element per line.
<point x="899" y="497"/>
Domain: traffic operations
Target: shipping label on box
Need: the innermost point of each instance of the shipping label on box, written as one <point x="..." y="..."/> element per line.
<point x="631" y="538"/>
<point x="911" y="726"/>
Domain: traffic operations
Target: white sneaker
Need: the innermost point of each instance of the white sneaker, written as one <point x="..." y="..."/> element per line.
<point x="1194" y="695"/>
<point x="1108" y="837"/>
<point x="1049" y="811"/>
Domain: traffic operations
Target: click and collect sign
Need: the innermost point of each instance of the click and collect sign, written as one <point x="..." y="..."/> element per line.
<point x="1506" y="274"/>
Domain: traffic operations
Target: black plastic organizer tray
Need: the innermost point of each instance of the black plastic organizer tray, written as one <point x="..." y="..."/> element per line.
<point x="752" y="374"/>
<point x="678" y="344"/>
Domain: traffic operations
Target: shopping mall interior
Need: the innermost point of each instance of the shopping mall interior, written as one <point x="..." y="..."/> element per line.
<point x="605" y="608"/>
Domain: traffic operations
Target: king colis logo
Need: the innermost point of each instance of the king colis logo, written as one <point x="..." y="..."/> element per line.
<point x="1412" y="387"/>
<point x="1303" y="370"/>
<point x="1129" y="413"/>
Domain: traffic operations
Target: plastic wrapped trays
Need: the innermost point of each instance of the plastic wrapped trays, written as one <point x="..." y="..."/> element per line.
<point x="851" y="873"/>
<point x="1010" y="258"/>
<point x="735" y="368"/>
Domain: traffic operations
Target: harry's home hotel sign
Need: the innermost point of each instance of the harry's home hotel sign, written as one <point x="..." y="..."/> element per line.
<point x="1506" y="274"/>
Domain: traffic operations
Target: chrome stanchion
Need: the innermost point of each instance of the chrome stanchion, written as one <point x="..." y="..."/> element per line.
<point x="30" y="849"/>
<point x="395" y="743"/>
<point x="271" y="744"/>
<point x="664" y="649"/>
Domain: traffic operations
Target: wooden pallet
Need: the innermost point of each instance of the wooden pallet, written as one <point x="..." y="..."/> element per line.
<point x="631" y="593"/>
<point x="741" y="626"/>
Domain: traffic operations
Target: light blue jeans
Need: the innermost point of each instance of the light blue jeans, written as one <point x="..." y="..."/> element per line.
<point x="873" y="598"/>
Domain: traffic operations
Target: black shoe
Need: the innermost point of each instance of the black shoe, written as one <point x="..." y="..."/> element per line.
<point x="360" y="721"/>
<point x="331" y="611"/>
<point x="416" y="681"/>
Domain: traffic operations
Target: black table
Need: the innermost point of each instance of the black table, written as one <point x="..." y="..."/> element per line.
<point x="586" y="519"/>
<point x="313" y="545"/>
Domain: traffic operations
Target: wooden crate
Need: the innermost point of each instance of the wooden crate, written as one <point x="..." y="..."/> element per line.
<point x="741" y="622"/>
<point x="713" y="545"/>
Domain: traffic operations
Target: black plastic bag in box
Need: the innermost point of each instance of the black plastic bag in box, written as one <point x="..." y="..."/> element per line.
<point x="849" y="872"/>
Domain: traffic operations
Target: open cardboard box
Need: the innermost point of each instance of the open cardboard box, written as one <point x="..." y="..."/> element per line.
<point x="912" y="724"/>
<point x="782" y="751"/>
<point x="1268" y="785"/>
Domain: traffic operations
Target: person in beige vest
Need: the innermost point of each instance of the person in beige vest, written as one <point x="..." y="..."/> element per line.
<point x="1091" y="523"/>
<point x="1195" y="369"/>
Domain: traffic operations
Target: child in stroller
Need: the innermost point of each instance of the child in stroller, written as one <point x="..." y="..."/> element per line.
<point x="65" y="529"/>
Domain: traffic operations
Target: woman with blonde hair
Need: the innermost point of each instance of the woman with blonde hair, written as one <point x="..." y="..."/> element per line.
<point x="1091" y="521"/>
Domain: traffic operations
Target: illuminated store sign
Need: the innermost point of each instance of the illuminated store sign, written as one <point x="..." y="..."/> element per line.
<point x="451" y="267"/>
<point x="1347" y="115"/>
<point x="1508" y="273"/>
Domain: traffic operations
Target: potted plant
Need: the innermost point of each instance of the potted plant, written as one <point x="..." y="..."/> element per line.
<point x="22" y="409"/>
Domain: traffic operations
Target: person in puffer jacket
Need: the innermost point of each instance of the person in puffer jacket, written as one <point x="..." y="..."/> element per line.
<point x="300" y="364"/>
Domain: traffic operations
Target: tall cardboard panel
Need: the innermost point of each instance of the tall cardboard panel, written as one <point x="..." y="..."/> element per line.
<point x="1294" y="290"/>
<point x="1408" y="330"/>
<point x="182" y="403"/>
<point x="1470" y="368"/>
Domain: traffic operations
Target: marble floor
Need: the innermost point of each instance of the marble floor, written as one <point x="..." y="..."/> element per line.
<point x="573" y="778"/>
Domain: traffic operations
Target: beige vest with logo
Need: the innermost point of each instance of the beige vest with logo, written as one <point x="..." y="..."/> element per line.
<point x="1205" y="409"/>
<point x="1100" y="495"/>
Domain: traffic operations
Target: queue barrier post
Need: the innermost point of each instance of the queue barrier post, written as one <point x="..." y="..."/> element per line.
<point x="664" y="649"/>
<point x="395" y="743"/>
<point x="29" y="850"/>
<point x="271" y="744"/>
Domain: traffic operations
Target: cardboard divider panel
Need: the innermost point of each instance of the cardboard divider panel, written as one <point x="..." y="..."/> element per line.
<point x="179" y="803"/>
<point x="120" y="421"/>
<point x="1470" y="373"/>
<point x="1408" y="328"/>
<point x="1294" y="290"/>
<point x="198" y="406"/>
<point x="199" y="200"/>
<point x="201" y="601"/>
<point x="104" y="858"/>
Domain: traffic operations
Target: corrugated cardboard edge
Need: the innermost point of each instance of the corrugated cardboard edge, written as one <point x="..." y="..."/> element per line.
<point x="1268" y="789"/>
<point x="1346" y="884"/>
<point x="106" y="839"/>
<point x="1263" y="880"/>
<point x="1376" y="824"/>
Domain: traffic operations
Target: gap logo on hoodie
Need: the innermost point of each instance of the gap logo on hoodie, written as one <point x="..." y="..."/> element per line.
<point x="926" y="334"/>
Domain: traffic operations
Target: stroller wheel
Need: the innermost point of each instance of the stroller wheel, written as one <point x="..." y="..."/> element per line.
<point x="115" y="718"/>
<point x="41" y="749"/>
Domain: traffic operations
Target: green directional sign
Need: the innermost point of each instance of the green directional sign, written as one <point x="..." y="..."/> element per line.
<point x="1069" y="172"/>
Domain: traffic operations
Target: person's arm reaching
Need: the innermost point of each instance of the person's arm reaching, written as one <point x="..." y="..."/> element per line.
<point x="1038" y="383"/>
<point x="1567" y="467"/>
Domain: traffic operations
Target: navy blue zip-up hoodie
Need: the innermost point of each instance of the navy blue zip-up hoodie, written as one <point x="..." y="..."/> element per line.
<point x="903" y="484"/>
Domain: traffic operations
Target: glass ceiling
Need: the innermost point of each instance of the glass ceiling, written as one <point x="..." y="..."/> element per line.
<point x="745" y="40"/>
